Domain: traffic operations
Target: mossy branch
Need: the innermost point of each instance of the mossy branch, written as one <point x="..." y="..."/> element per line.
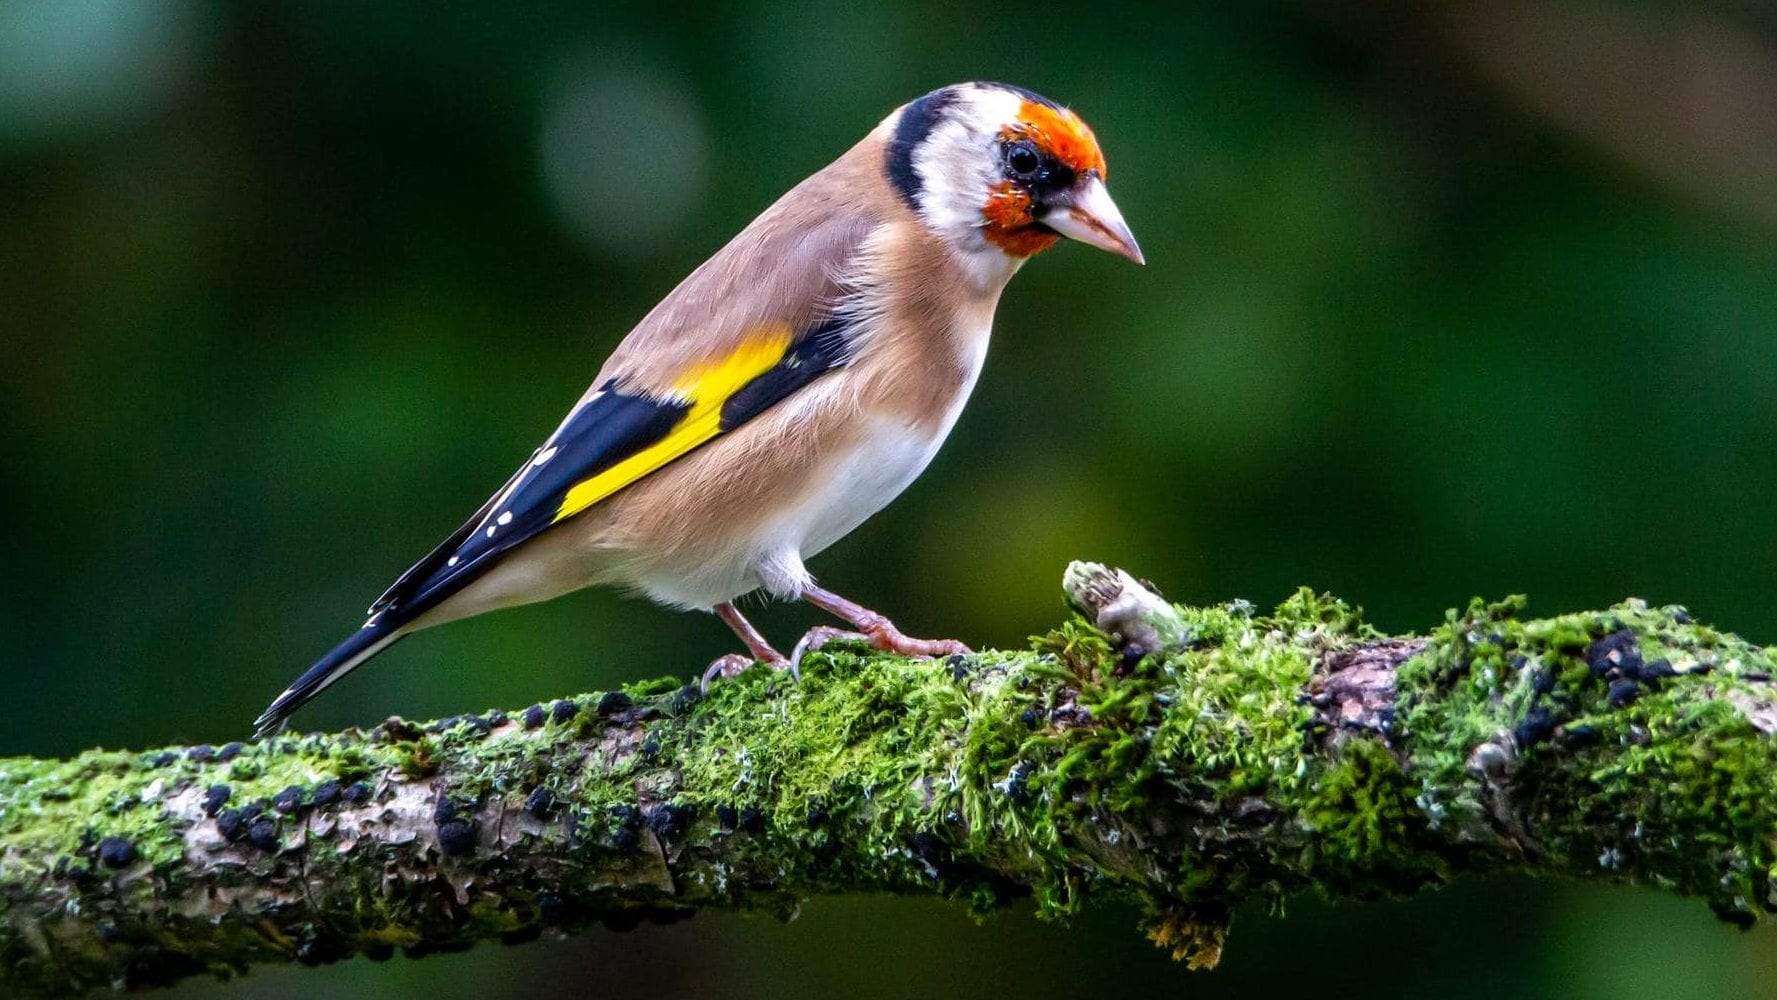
<point x="1188" y="759"/>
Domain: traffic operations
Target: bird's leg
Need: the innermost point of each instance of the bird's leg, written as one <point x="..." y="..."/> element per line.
<point x="871" y="627"/>
<point x="734" y="663"/>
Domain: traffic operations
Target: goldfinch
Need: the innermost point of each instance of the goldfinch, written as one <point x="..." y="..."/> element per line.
<point x="785" y="391"/>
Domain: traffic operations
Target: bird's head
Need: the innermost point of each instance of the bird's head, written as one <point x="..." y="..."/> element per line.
<point x="1000" y="171"/>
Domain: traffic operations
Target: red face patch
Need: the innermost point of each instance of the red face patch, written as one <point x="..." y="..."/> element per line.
<point x="1009" y="223"/>
<point x="1061" y="134"/>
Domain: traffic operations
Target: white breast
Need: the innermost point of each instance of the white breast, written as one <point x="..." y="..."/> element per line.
<point x="888" y="457"/>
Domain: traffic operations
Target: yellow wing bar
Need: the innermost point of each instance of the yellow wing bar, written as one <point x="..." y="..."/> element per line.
<point x="706" y="388"/>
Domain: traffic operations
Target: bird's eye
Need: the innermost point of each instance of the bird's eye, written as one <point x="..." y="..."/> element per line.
<point x="1023" y="160"/>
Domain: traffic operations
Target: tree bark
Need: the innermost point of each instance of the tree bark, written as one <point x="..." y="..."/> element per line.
<point x="1186" y="758"/>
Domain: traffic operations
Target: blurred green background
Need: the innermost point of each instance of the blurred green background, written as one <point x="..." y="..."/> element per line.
<point x="1444" y="299"/>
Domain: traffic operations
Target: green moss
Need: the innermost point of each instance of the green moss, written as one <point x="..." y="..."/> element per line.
<point x="1643" y="774"/>
<point x="1182" y="778"/>
<point x="1366" y="833"/>
<point x="1306" y="610"/>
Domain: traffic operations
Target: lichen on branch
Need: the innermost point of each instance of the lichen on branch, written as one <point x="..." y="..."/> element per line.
<point x="1184" y="758"/>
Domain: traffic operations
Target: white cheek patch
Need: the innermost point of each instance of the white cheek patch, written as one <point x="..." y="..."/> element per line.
<point x="957" y="168"/>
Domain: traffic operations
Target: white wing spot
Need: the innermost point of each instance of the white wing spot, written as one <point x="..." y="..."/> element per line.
<point x="452" y="561"/>
<point x="544" y="455"/>
<point x="490" y="531"/>
<point x="505" y="518"/>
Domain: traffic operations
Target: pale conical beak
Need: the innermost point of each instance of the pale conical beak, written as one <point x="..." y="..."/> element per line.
<point x="1086" y="213"/>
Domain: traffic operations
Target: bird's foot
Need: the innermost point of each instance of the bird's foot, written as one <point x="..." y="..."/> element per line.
<point x="881" y="634"/>
<point x="734" y="664"/>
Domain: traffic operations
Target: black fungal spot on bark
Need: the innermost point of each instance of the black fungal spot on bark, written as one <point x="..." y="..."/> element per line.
<point x="327" y="793"/>
<point x="200" y="754"/>
<point x="564" y="710"/>
<point x="1538" y="725"/>
<point x="1623" y="692"/>
<point x="116" y="852"/>
<point x="1129" y="658"/>
<point x="533" y="717"/>
<point x="378" y="951"/>
<point x="1542" y="682"/>
<point x="232" y="824"/>
<point x="163" y="759"/>
<point x="727" y="816"/>
<point x="624" y="839"/>
<point x="959" y="666"/>
<point x="685" y="699"/>
<point x="669" y="819"/>
<point x="1654" y="671"/>
<point x="215" y="797"/>
<point x="613" y="702"/>
<point x="456" y="838"/>
<point x="359" y="793"/>
<point x="816" y="815"/>
<point x="263" y="833"/>
<point x="626" y="816"/>
<point x="1615" y="654"/>
<point x="1070" y="715"/>
<point x="229" y="752"/>
<point x="751" y="819"/>
<point x="289" y="801"/>
<point x="540" y="804"/>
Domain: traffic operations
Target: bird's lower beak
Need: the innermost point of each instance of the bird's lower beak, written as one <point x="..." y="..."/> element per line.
<point x="1086" y="213"/>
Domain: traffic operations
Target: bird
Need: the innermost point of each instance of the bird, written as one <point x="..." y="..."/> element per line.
<point x="786" y="390"/>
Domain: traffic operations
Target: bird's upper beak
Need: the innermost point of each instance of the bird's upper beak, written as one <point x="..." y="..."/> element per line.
<point x="1085" y="212"/>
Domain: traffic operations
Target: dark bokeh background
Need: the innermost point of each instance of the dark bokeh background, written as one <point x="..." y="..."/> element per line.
<point x="1452" y="299"/>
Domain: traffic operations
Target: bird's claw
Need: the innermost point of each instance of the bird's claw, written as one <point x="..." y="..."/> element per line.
<point x="884" y="636"/>
<point x="733" y="664"/>
<point x="817" y="637"/>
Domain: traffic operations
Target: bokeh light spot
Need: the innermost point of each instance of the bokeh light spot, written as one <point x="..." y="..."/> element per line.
<point x="624" y="154"/>
<point x="68" y="67"/>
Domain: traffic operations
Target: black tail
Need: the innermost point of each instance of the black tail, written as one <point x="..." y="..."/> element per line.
<point x="365" y="643"/>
